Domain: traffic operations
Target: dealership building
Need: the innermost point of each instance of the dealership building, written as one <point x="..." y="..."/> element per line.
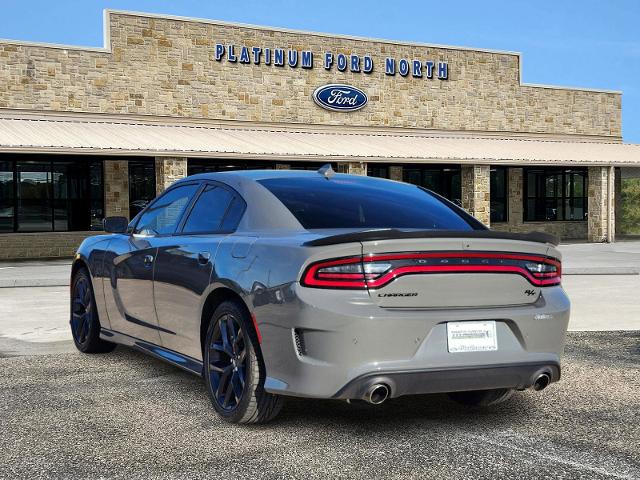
<point x="92" y="132"/>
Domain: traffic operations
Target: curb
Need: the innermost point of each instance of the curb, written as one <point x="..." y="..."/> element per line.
<point x="34" y="283"/>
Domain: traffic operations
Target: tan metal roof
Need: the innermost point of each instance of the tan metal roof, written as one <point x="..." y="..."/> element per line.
<point x="70" y="135"/>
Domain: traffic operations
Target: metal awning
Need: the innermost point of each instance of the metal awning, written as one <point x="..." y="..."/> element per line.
<point x="100" y="135"/>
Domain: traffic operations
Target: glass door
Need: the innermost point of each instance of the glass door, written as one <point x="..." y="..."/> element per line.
<point x="34" y="197"/>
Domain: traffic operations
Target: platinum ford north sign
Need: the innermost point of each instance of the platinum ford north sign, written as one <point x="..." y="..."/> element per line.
<point x="280" y="57"/>
<point x="340" y="98"/>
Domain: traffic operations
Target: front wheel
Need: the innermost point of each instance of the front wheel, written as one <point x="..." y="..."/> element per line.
<point x="482" y="398"/>
<point x="85" y="325"/>
<point x="234" y="370"/>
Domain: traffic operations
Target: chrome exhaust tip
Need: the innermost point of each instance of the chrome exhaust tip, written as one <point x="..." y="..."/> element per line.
<point x="377" y="394"/>
<point x="541" y="382"/>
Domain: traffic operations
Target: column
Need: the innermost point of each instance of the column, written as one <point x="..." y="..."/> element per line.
<point x="395" y="173"/>
<point x="168" y="170"/>
<point x="601" y="204"/>
<point x="515" y="182"/>
<point x="116" y="188"/>
<point x="618" y="201"/>
<point x="475" y="191"/>
<point x="353" y="168"/>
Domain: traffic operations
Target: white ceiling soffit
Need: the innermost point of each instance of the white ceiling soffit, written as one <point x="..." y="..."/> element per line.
<point x="135" y="138"/>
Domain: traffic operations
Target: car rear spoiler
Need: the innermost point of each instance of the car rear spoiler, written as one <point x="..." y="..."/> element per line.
<point x="393" y="234"/>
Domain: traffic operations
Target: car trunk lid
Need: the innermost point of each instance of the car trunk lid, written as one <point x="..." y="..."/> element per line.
<point x="457" y="272"/>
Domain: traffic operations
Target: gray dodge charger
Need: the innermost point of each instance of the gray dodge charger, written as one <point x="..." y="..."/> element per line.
<point x="314" y="284"/>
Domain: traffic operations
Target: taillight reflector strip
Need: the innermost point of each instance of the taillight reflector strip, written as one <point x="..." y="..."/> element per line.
<point x="376" y="271"/>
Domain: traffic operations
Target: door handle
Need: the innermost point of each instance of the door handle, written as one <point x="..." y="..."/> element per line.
<point x="203" y="258"/>
<point x="147" y="260"/>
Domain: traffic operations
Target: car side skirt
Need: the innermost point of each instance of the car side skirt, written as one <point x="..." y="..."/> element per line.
<point x="174" y="358"/>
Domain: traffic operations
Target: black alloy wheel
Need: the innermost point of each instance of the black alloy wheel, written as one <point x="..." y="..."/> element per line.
<point x="227" y="362"/>
<point x="233" y="368"/>
<point x="85" y="325"/>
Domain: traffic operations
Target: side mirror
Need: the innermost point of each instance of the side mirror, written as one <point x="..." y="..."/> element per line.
<point x="115" y="224"/>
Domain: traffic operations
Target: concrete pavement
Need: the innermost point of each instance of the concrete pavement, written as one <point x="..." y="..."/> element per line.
<point x="42" y="273"/>
<point x="126" y="415"/>
<point x="604" y="258"/>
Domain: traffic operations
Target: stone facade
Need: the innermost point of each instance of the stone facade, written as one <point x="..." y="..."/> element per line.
<point x="168" y="170"/>
<point x="40" y="245"/>
<point x="353" y="168"/>
<point x="475" y="191"/>
<point x="395" y="173"/>
<point x="167" y="67"/>
<point x="601" y="192"/>
<point x="571" y="230"/>
<point x="116" y="188"/>
<point x="163" y="66"/>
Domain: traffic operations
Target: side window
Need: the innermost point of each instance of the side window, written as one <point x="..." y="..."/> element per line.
<point x="207" y="214"/>
<point x="164" y="214"/>
<point x="234" y="214"/>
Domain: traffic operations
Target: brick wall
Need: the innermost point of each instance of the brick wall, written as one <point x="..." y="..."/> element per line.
<point x="475" y="191"/>
<point x="599" y="204"/>
<point x="353" y="168"/>
<point x="116" y="188"/>
<point x="169" y="170"/>
<point x="40" y="245"/>
<point x="167" y="67"/>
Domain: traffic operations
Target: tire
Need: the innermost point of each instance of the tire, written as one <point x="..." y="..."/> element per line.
<point x="84" y="321"/>
<point x="482" y="398"/>
<point x="234" y="370"/>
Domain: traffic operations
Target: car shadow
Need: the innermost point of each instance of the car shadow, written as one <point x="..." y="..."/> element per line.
<point x="408" y="410"/>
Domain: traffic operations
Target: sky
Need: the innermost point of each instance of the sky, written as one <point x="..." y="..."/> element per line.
<point x="584" y="43"/>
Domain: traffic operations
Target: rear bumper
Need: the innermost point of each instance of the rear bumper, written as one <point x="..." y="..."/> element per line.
<point x="331" y="344"/>
<point x="412" y="382"/>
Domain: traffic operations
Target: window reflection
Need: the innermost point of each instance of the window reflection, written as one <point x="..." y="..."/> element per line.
<point x="6" y="197"/>
<point x="43" y="194"/>
<point x="442" y="179"/>
<point x="142" y="184"/>
<point x="498" y="194"/>
<point x="34" y="197"/>
<point x="555" y="194"/>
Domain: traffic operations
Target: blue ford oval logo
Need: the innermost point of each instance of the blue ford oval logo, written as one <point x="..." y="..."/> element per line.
<point x="340" y="98"/>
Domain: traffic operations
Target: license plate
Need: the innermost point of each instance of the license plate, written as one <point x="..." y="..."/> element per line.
<point x="472" y="336"/>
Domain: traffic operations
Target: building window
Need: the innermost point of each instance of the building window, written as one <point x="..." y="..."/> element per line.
<point x="142" y="184"/>
<point x="499" y="194"/>
<point x="312" y="166"/>
<point x="196" y="165"/>
<point x="45" y="194"/>
<point x="377" y="170"/>
<point x="7" y="200"/>
<point x="443" y="180"/>
<point x="555" y="194"/>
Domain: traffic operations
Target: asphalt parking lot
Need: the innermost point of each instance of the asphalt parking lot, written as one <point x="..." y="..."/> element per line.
<point x="124" y="415"/>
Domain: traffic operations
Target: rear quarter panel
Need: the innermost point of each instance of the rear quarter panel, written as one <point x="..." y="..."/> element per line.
<point x="267" y="276"/>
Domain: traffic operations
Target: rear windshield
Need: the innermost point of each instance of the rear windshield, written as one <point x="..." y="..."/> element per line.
<point x="343" y="202"/>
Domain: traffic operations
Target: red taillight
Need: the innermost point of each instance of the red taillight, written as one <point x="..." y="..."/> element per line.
<point x="349" y="272"/>
<point x="376" y="271"/>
